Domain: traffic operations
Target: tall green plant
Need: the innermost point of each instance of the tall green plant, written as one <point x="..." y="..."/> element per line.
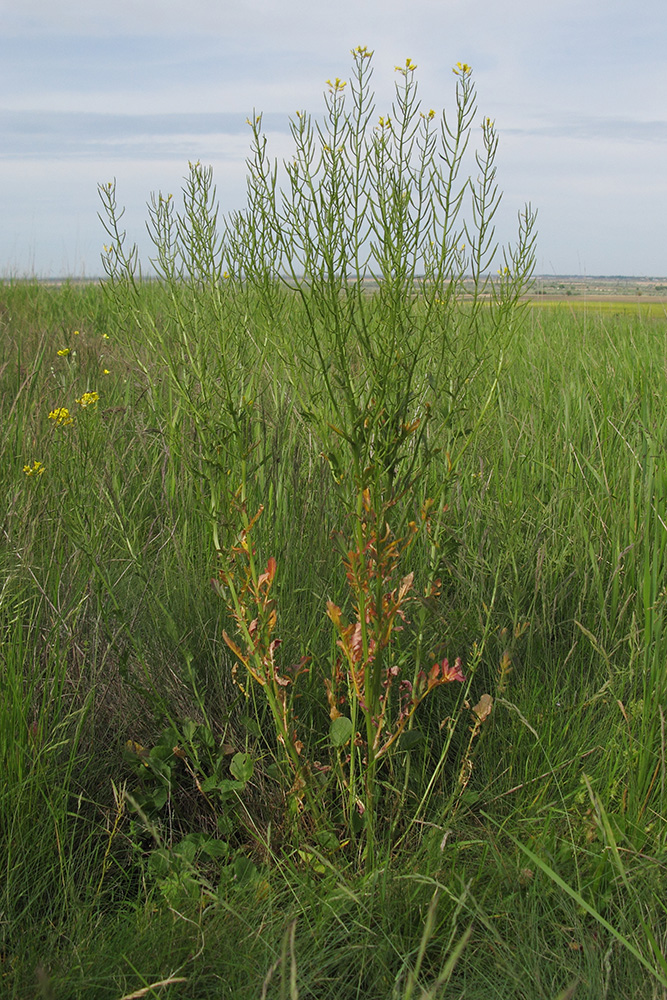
<point x="369" y="231"/>
<point x="363" y="267"/>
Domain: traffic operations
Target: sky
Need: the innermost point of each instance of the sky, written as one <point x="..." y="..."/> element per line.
<point x="92" y="91"/>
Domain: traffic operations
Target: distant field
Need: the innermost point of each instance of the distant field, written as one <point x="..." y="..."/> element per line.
<point x="615" y="305"/>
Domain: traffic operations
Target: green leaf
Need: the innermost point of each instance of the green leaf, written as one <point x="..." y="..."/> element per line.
<point x="340" y="731"/>
<point x="275" y="771"/>
<point x="159" y="797"/>
<point x="215" y="848"/>
<point x="206" y="736"/>
<point x="357" y="821"/>
<point x="186" y="849"/>
<point x="312" y="861"/>
<point x="226" y="825"/>
<point x="169" y="738"/>
<point x="189" y="730"/>
<point x="327" y="840"/>
<point x="410" y="739"/>
<point x="251" y="725"/>
<point x="242" y="766"/>
<point x="159" y="863"/>
<point x="244" y="870"/>
<point x="221" y="785"/>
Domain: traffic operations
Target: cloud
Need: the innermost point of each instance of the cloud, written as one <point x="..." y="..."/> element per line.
<point x="589" y="129"/>
<point x="183" y="137"/>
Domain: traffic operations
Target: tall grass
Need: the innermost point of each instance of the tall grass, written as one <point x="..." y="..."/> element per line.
<point x="155" y="837"/>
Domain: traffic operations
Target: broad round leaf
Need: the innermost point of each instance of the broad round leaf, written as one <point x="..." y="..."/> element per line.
<point x="340" y="731"/>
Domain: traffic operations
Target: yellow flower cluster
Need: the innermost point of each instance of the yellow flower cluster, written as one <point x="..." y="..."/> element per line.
<point x="337" y="86"/>
<point x="88" y="399"/>
<point x="62" y="417"/>
<point x="362" y="51"/>
<point x="36" y="469"/>
<point x="409" y="67"/>
<point x="63" y="353"/>
<point x="385" y="122"/>
<point x="462" y="69"/>
<point x="430" y="115"/>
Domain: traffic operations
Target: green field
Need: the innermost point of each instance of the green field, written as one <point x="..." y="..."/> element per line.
<point x="606" y="307"/>
<point x="155" y="836"/>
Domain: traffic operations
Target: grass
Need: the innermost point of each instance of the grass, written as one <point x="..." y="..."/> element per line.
<point x="612" y="307"/>
<point x="542" y="871"/>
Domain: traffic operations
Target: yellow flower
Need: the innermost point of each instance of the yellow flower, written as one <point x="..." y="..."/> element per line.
<point x="76" y="333"/>
<point x="337" y="86"/>
<point x="409" y="67"/>
<point x="105" y="371"/>
<point x="362" y="51"/>
<point x="462" y="69"/>
<point x="88" y="399"/>
<point x="105" y="336"/>
<point x="63" y="353"/>
<point x="385" y="122"/>
<point x="36" y="469"/>
<point x="62" y="417"/>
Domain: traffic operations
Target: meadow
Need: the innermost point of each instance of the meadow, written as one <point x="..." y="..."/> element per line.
<point x="333" y="660"/>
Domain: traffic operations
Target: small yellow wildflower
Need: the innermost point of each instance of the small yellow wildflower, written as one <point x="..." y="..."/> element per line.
<point x="362" y="51"/>
<point x="36" y="469"/>
<point x="409" y="67"/>
<point x="462" y="69"/>
<point x="385" y="122"/>
<point x="105" y="336"/>
<point x="76" y="333"/>
<point x="105" y="371"/>
<point x="337" y="86"/>
<point x="63" y="353"/>
<point x="62" y="417"/>
<point x="88" y="399"/>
